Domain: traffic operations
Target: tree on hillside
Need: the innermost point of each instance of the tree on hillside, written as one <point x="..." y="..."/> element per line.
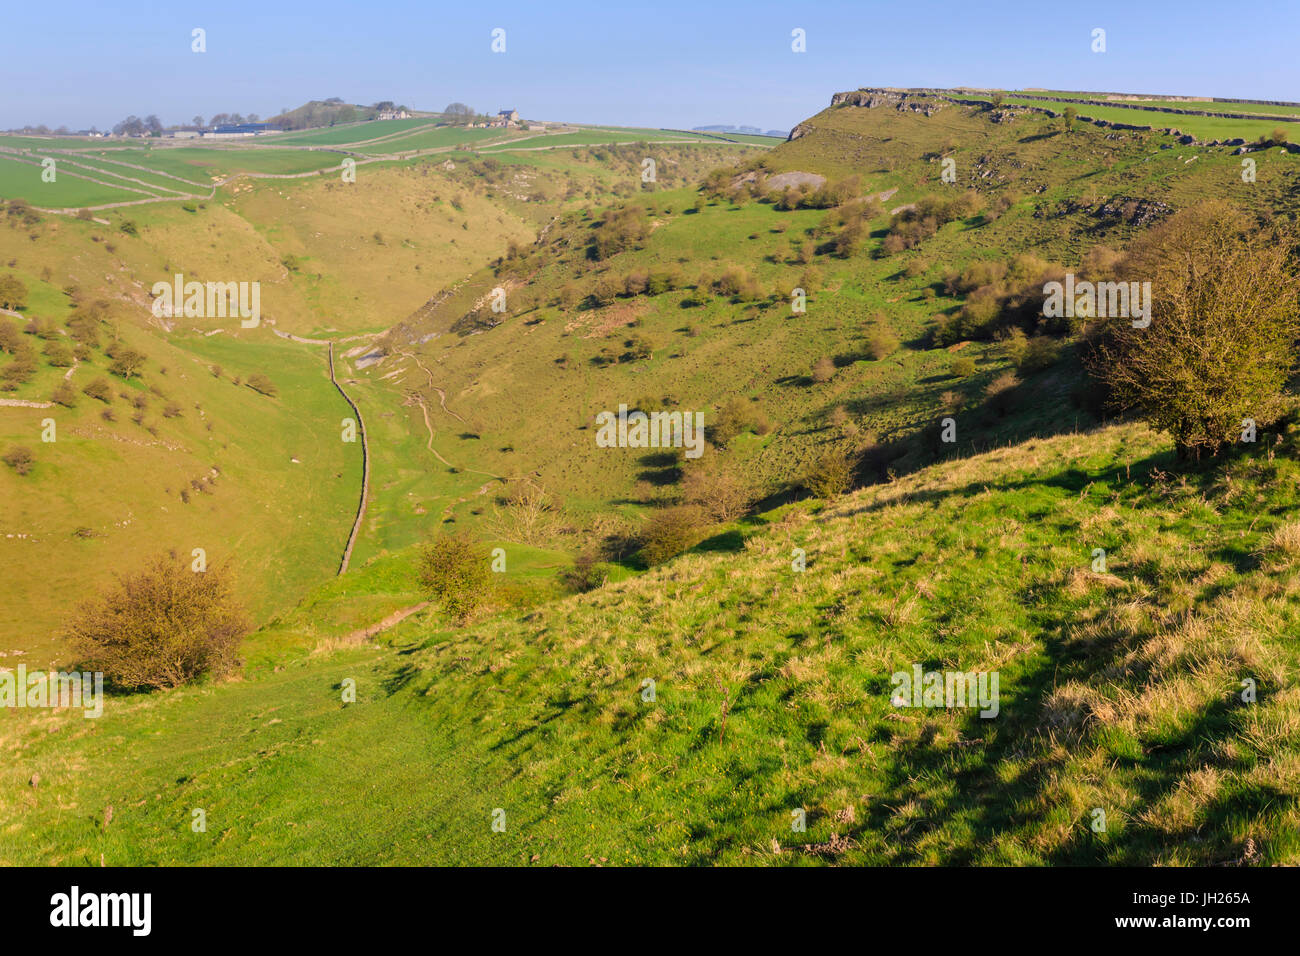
<point x="260" y="383"/>
<point x="1225" y="315"/>
<point x="1068" y="115"/>
<point x="459" y="113"/>
<point x="13" y="294"/>
<point x="127" y="362"/>
<point x="456" y="573"/>
<point x="164" y="626"/>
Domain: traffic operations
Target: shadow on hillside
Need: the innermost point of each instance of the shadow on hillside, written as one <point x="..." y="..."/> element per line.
<point x="1005" y="771"/>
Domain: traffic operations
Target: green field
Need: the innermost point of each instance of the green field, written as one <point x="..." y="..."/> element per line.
<point x="1202" y="127"/>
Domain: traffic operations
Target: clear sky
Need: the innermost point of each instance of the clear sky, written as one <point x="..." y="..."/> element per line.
<point x="676" y="63"/>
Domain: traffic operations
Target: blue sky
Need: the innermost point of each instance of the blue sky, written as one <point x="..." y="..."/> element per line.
<point x="665" y="63"/>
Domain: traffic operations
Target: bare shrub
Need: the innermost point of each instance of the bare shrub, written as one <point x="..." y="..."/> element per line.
<point x="163" y="626"/>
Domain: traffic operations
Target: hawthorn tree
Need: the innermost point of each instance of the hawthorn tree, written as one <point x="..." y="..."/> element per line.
<point x="1225" y="316"/>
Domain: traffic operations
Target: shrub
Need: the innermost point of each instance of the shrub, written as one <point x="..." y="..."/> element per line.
<point x="58" y="354"/>
<point x="666" y="281"/>
<point x="618" y="229"/>
<point x="823" y="370"/>
<point x="19" y="458"/>
<point x="606" y="290"/>
<point x="260" y="383"/>
<point x="669" y="532"/>
<point x="64" y="395"/>
<point x="1224" y="319"/>
<point x="456" y="574"/>
<point x="1040" y="352"/>
<point x="164" y="626"/>
<point x="732" y="418"/>
<point x="585" y="575"/>
<point x="881" y="343"/>
<point x="715" y="488"/>
<point x="830" y="475"/>
<point x="13" y="294"/>
<point x="1000" y="392"/>
<point x="127" y="362"/>
<point x="963" y="367"/>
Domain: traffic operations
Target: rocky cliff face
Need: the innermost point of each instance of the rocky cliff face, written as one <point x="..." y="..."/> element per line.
<point x="898" y="99"/>
<point x="916" y="102"/>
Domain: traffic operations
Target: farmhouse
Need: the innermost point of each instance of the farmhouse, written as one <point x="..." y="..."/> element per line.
<point x="507" y="118"/>
<point x="393" y="114"/>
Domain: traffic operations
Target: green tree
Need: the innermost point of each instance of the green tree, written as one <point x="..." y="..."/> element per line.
<point x="1225" y="315"/>
<point x="456" y="574"/>
<point x="13" y="294"/>
<point x="163" y="626"/>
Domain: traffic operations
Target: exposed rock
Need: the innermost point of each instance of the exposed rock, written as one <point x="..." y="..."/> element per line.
<point x="785" y="180"/>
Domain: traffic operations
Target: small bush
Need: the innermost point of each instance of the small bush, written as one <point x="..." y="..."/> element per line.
<point x="64" y="395"/>
<point x="260" y="383"/>
<point x="732" y="419"/>
<point x="1000" y="393"/>
<point x="881" y="343"/>
<point x="19" y="458"/>
<point x="1040" y="352"/>
<point x="830" y="475"/>
<point x="456" y="574"/>
<point x="669" y="532"/>
<point x="823" y="370"/>
<point x="715" y="488"/>
<point x="164" y="626"/>
<point x="963" y="367"/>
<point x="585" y="575"/>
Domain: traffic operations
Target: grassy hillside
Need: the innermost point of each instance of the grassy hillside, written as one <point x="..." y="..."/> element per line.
<point x="703" y="346"/>
<point x="333" y="259"/>
<point x="1119" y="690"/>
<point x="771" y="642"/>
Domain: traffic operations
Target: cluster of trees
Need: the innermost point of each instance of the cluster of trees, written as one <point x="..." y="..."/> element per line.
<point x="134" y="126"/>
<point x="928" y="215"/>
<point x="618" y="230"/>
<point x="458" y="114"/>
<point x="848" y="225"/>
<point x="228" y="119"/>
<point x="999" y="295"/>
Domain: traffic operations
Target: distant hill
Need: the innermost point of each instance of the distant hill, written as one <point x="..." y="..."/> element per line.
<point x="332" y="112"/>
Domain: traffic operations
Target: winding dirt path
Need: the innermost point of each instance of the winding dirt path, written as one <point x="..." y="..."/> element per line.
<point x="391" y="621"/>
